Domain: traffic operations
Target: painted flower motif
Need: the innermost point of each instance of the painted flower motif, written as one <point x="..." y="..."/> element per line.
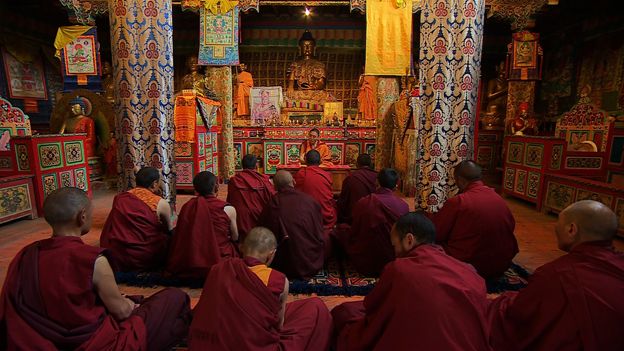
<point x="124" y="91"/>
<point x="466" y="84"/>
<point x="122" y="50"/>
<point x="154" y="127"/>
<point x="440" y="46"/>
<point x="156" y="163"/>
<point x="463" y="150"/>
<point x="432" y="200"/>
<point x="436" y="150"/>
<point x="120" y="8"/>
<point x="128" y="164"/>
<point x="150" y="9"/>
<point x="437" y="117"/>
<point x="441" y="10"/>
<point x="152" y="91"/>
<point x="434" y="176"/>
<point x="464" y="120"/>
<point x="152" y="51"/>
<point x="470" y="10"/>
<point x="126" y="127"/>
<point x="438" y="82"/>
<point x="469" y="48"/>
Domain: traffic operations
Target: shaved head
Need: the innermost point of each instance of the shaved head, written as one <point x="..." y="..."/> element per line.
<point x="468" y="170"/>
<point x="283" y="179"/>
<point x="66" y="206"/>
<point x="259" y="241"/>
<point x="594" y="220"/>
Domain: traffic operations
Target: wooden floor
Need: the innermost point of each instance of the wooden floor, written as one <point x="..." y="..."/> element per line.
<point x="534" y="230"/>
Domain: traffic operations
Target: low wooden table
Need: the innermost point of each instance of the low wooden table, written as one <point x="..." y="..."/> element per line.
<point x="18" y="197"/>
<point x="338" y="173"/>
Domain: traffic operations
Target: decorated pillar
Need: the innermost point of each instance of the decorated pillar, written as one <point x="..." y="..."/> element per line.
<point x="142" y="50"/>
<point x="219" y="80"/>
<point x="451" y="36"/>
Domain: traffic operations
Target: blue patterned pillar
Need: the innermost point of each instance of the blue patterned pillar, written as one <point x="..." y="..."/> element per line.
<point x="142" y="46"/>
<point x="451" y="35"/>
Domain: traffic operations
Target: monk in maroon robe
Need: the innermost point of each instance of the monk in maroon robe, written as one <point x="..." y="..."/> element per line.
<point x="61" y="294"/>
<point x="574" y="302"/>
<point x="243" y="306"/>
<point x="358" y="184"/>
<point x="296" y="220"/>
<point x="476" y="226"/>
<point x="138" y="227"/>
<point x="367" y="243"/>
<point x="424" y="300"/>
<point x="206" y="232"/>
<point x="249" y="191"/>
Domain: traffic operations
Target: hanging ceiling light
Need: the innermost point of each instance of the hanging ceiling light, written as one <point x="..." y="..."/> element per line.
<point x="307" y="11"/>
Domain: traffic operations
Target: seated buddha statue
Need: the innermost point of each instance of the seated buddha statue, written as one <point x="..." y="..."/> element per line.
<point x="307" y="73"/>
<point x="195" y="80"/>
<point x="79" y="123"/>
<point x="496" y="100"/>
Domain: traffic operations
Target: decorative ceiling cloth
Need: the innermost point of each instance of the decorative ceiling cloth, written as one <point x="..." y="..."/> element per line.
<point x="360" y="5"/>
<point x="218" y="38"/>
<point x="243" y="5"/>
<point x="388" y="38"/>
<point x="84" y="11"/>
<point x="78" y="49"/>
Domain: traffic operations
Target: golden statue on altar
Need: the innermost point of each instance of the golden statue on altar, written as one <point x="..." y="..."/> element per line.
<point x="79" y="123"/>
<point x="195" y="80"/>
<point x="496" y="100"/>
<point x="307" y="73"/>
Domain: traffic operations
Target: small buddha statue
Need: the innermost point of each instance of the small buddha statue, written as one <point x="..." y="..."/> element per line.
<point x="78" y="122"/>
<point x="307" y="73"/>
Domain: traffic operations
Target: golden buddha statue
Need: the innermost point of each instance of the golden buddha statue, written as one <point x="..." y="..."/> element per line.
<point x="195" y="80"/>
<point x="307" y="73"/>
<point x="79" y="123"/>
<point x="496" y="99"/>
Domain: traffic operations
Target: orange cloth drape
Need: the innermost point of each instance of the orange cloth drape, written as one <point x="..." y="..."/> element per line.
<point x="367" y="98"/>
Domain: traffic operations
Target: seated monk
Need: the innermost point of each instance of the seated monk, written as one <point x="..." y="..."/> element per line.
<point x="367" y="243"/>
<point x="313" y="143"/>
<point x="138" y="226"/>
<point x="574" y="302"/>
<point x="249" y="191"/>
<point x="296" y="220"/>
<point x="424" y="300"/>
<point x="317" y="183"/>
<point x="243" y="306"/>
<point x="60" y="293"/>
<point x="206" y="232"/>
<point x="476" y="226"/>
<point x="358" y="184"/>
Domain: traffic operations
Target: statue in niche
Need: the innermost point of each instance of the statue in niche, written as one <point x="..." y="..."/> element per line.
<point x="307" y="73"/>
<point x="79" y="123"/>
<point x="496" y="100"/>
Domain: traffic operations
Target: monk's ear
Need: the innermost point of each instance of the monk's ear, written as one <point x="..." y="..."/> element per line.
<point x="409" y="240"/>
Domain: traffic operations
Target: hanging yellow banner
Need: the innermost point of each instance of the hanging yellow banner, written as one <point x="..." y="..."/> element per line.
<point x="388" y="37"/>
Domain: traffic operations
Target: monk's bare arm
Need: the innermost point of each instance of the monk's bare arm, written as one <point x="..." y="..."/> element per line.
<point x="164" y="213"/>
<point x="283" y="298"/>
<point x="231" y="212"/>
<point x="108" y="291"/>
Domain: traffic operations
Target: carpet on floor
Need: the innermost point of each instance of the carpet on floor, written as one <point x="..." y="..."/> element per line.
<point x="336" y="278"/>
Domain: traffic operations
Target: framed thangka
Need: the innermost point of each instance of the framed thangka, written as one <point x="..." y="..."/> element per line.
<point x="80" y="57"/>
<point x="218" y="37"/>
<point x="265" y="105"/>
<point x="26" y="80"/>
<point x="526" y="57"/>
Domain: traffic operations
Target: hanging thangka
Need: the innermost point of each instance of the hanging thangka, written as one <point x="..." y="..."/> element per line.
<point x="218" y="37"/>
<point x="78" y="49"/>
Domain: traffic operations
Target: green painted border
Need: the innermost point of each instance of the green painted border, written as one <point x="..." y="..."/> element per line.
<point x="82" y="154"/>
<point x="61" y="155"/>
<point x="272" y="170"/>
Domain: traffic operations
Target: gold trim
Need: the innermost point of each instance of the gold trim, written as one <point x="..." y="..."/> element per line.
<point x="293" y="3"/>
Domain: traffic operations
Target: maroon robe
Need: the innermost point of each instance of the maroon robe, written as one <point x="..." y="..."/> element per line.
<point x="477" y="227"/>
<point x="295" y="219"/>
<point x="134" y="235"/>
<point x="237" y="311"/>
<point x="424" y="301"/>
<point x="317" y="183"/>
<point x="573" y="303"/>
<point x="358" y="184"/>
<point x="202" y="238"/>
<point x="249" y="191"/>
<point x="368" y="242"/>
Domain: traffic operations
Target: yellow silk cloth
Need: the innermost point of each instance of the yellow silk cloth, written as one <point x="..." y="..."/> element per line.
<point x="64" y="35"/>
<point x="219" y="6"/>
<point x="388" y="37"/>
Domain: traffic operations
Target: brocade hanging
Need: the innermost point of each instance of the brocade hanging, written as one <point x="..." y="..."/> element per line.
<point x="218" y="38"/>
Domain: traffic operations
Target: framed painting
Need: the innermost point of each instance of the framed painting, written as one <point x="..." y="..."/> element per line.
<point x="524" y="54"/>
<point x="265" y="105"/>
<point x="80" y="56"/>
<point x="25" y="80"/>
